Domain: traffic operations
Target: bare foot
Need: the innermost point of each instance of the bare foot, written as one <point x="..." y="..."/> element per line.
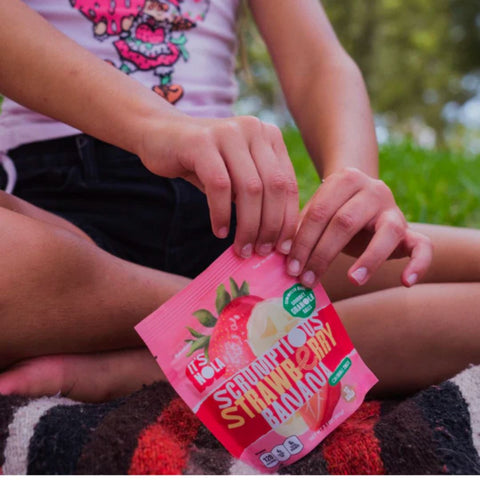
<point x="87" y="377"/>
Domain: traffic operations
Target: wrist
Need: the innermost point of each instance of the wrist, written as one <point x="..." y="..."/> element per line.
<point x="158" y="135"/>
<point x="367" y="163"/>
<point x="154" y="119"/>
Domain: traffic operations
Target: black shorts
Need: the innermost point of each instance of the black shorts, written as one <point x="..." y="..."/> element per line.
<point x="128" y="211"/>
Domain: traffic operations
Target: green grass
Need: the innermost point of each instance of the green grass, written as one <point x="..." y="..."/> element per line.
<point x="430" y="186"/>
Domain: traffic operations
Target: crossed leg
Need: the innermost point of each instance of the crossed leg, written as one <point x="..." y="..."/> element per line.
<point x="415" y="337"/>
<point x="67" y="309"/>
<point x="60" y="293"/>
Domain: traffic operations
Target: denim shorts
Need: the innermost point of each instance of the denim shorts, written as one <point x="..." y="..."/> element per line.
<point x="128" y="211"/>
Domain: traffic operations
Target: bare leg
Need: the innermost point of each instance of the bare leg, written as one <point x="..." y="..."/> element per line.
<point x="456" y="259"/>
<point x="412" y="338"/>
<point x="60" y="293"/>
<point x="92" y="377"/>
<point x="15" y="204"/>
<point x="415" y="337"/>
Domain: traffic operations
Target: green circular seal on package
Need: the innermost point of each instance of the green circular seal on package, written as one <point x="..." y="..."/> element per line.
<point x="299" y="301"/>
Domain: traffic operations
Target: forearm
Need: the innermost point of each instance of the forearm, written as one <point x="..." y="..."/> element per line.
<point x="323" y="86"/>
<point x="331" y="108"/>
<point x="47" y="72"/>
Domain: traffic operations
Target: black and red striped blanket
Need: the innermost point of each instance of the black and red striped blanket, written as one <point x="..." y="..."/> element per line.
<point x="152" y="431"/>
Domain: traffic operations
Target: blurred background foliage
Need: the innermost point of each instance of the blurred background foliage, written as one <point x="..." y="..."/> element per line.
<point x="420" y="60"/>
<point x="421" y="63"/>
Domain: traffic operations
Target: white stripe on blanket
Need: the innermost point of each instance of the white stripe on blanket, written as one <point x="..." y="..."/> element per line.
<point x="468" y="382"/>
<point x="20" y="432"/>
<point x="240" y="468"/>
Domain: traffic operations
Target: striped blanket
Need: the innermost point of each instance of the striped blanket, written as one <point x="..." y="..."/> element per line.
<point x="152" y="431"/>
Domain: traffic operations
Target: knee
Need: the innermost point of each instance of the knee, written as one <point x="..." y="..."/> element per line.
<point x="11" y="202"/>
<point x="35" y="254"/>
<point x="6" y="200"/>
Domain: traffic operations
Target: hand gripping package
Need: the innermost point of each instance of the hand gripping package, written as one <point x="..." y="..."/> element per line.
<point x="263" y="361"/>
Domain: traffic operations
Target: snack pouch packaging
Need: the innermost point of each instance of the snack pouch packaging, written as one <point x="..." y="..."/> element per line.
<point x="263" y="361"/>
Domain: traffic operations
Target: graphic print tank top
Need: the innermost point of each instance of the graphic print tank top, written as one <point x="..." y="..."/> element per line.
<point x="184" y="50"/>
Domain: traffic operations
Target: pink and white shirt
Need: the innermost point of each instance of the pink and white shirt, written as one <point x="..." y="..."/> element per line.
<point x="184" y="50"/>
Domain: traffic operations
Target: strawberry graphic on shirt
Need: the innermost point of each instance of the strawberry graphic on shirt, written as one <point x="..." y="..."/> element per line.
<point x="150" y="35"/>
<point x="109" y="18"/>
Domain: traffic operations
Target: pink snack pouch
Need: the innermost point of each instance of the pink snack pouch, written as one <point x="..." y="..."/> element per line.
<point x="263" y="361"/>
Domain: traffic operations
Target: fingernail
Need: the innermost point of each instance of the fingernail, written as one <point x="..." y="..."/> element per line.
<point x="412" y="279"/>
<point x="308" y="278"/>
<point x="223" y="232"/>
<point x="265" y="249"/>
<point x="247" y="250"/>
<point x="294" y="267"/>
<point x="360" y="275"/>
<point x="286" y="246"/>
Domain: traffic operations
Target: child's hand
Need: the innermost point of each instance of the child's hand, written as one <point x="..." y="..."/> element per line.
<point x="356" y="214"/>
<point x="240" y="159"/>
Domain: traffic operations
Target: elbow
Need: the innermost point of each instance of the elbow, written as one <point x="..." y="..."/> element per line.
<point x="350" y="68"/>
<point x="338" y="69"/>
<point x="341" y="65"/>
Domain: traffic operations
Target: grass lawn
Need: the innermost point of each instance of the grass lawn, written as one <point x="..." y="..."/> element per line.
<point x="430" y="186"/>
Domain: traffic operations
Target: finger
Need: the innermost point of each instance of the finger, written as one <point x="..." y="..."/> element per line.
<point x="421" y="252"/>
<point x="291" y="214"/>
<point x="248" y="193"/>
<point x="390" y="231"/>
<point x="218" y="189"/>
<point x="349" y="220"/>
<point x="194" y="180"/>
<point x="274" y="180"/>
<point x="328" y="199"/>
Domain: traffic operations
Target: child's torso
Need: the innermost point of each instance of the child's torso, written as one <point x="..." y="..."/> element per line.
<point x="184" y="50"/>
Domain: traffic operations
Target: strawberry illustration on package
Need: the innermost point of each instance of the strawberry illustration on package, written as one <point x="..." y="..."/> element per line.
<point x="263" y="361"/>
